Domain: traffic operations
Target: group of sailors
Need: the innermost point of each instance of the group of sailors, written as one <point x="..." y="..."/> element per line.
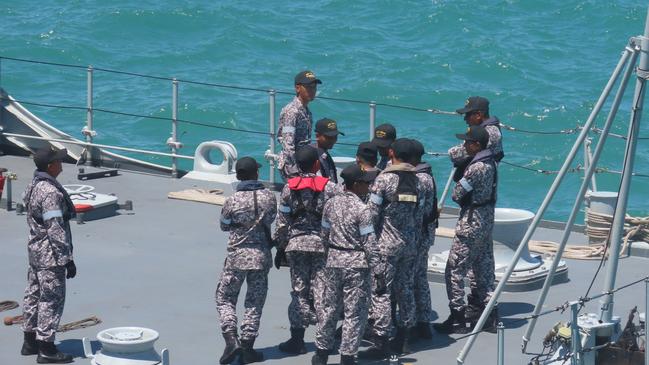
<point x="357" y="249"/>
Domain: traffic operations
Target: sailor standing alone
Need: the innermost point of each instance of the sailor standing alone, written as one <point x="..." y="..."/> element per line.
<point x="49" y="210"/>
<point x="247" y="215"/>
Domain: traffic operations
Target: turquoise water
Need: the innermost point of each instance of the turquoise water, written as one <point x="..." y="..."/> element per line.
<point x="542" y="65"/>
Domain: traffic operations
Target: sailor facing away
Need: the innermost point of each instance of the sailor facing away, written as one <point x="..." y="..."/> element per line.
<point x="367" y="160"/>
<point x="326" y="135"/>
<point x="298" y="238"/>
<point x="295" y="122"/>
<point x="476" y="112"/>
<point x="49" y="210"/>
<point x="394" y="198"/>
<point x="348" y="235"/>
<point x="247" y="215"/>
<point x="427" y="221"/>
<point x="472" y="245"/>
<point x="384" y="135"/>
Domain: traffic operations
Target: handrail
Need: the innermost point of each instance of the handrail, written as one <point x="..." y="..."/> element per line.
<point x="79" y="143"/>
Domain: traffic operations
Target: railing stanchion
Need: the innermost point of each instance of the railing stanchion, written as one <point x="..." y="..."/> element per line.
<point x="271" y="129"/>
<point x="501" y="343"/>
<point x="88" y="131"/>
<point x="646" y="313"/>
<point x="447" y="187"/>
<point x="174" y="126"/>
<point x="372" y="119"/>
<point x="575" y="338"/>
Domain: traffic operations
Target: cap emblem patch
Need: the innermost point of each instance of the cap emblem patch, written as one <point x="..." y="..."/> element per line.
<point x="331" y="125"/>
<point x="380" y="134"/>
<point x="309" y="75"/>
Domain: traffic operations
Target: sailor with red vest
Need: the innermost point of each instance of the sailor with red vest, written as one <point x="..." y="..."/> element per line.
<point x="394" y="201"/>
<point x="472" y="247"/>
<point x="476" y="112"/>
<point x="298" y="238"/>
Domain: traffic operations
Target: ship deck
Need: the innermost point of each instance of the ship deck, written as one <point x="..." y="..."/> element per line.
<point x="157" y="267"/>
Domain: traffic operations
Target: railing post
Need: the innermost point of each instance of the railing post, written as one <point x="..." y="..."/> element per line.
<point x="646" y="313"/>
<point x="575" y="338"/>
<point x="88" y="130"/>
<point x="173" y="141"/>
<point x="588" y="160"/>
<point x="447" y="187"/>
<point x="271" y="129"/>
<point x="501" y="343"/>
<point x="372" y="119"/>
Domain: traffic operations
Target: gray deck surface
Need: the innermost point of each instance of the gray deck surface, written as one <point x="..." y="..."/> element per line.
<point x="157" y="267"/>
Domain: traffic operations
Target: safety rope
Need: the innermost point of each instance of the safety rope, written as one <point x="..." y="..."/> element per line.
<point x="8" y="305"/>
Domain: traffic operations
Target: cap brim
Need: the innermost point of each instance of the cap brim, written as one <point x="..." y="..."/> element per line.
<point x="464" y="110"/>
<point x="60" y="154"/>
<point x="332" y="133"/>
<point x="382" y="143"/>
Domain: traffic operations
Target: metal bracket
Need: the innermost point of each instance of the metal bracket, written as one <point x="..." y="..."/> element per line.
<point x="642" y="74"/>
<point x="128" y="205"/>
<point x="176" y="145"/>
<point x="82" y="175"/>
<point x="88" y="132"/>
<point x="270" y="156"/>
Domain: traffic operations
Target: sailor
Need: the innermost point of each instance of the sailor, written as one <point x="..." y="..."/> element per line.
<point x="247" y="215"/>
<point x="471" y="247"/>
<point x="384" y="135"/>
<point x="394" y="199"/>
<point x="295" y="122"/>
<point x="49" y="210"/>
<point x="476" y="112"/>
<point x="427" y="221"/>
<point x="348" y="235"/>
<point x="326" y="135"/>
<point x="366" y="158"/>
<point x="298" y="240"/>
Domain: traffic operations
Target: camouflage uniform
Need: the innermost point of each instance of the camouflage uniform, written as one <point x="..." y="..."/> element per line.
<point x="427" y="220"/>
<point x="491" y="125"/>
<point x="348" y="234"/>
<point x="472" y="247"/>
<point x="49" y="210"/>
<point x="396" y="227"/>
<point x="248" y="258"/>
<point x="327" y="165"/>
<point x="294" y="131"/>
<point x="298" y="233"/>
<point x="458" y="154"/>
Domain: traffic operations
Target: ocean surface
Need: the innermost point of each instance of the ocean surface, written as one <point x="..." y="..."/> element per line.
<point x="543" y="64"/>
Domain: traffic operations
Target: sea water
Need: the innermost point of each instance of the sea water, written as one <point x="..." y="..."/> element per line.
<point x="543" y="64"/>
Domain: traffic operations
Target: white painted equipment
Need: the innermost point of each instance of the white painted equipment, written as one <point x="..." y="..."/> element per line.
<point x="510" y="226"/>
<point x="599" y="203"/>
<point x="90" y="205"/>
<point x="126" y="346"/>
<point x="205" y="167"/>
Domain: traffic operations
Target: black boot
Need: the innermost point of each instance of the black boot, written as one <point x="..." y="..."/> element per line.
<point x="474" y="309"/>
<point x="248" y="355"/>
<point x="378" y="351"/>
<point x="295" y="345"/>
<point x="491" y="325"/>
<point x="422" y="331"/>
<point x="455" y="323"/>
<point x="347" y="360"/>
<point x="30" y="347"/>
<point x="49" y="354"/>
<point x="320" y="357"/>
<point x="399" y="344"/>
<point x="232" y="347"/>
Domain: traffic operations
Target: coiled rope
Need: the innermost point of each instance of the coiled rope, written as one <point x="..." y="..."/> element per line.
<point x="8" y="305"/>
